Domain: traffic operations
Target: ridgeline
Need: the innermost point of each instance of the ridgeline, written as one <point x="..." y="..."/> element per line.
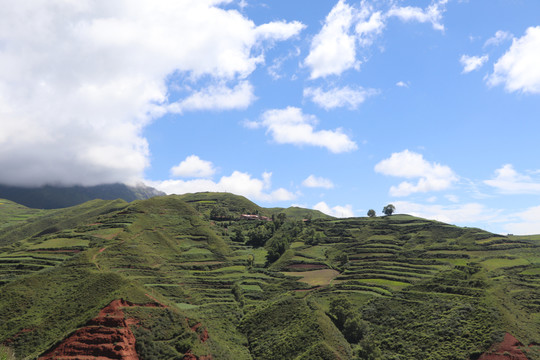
<point x="215" y="276"/>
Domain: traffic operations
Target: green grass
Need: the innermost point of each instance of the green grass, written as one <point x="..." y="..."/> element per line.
<point x="534" y="272"/>
<point x="496" y="263"/>
<point x="185" y="306"/>
<point x="251" y="287"/>
<point x="437" y="291"/>
<point x="60" y="243"/>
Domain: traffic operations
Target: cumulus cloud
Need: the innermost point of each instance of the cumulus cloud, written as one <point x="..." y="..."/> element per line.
<point x="239" y="183"/>
<point x="193" y="166"/>
<point x="336" y="211"/>
<point x="313" y="181"/>
<point x="216" y="97"/>
<point x="370" y="23"/>
<point x="471" y="63"/>
<point x="411" y="165"/>
<point x="527" y="222"/>
<point x="432" y="14"/>
<point x="518" y="68"/>
<point x="333" y="49"/>
<point x="508" y="181"/>
<point x="499" y="37"/>
<point x="454" y="214"/>
<point x="348" y="29"/>
<point x="80" y="80"/>
<point x="291" y="126"/>
<point x="279" y="30"/>
<point x="339" y="97"/>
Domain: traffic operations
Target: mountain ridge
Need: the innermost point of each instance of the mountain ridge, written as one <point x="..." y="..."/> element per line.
<point x="54" y="197"/>
<point x="293" y="288"/>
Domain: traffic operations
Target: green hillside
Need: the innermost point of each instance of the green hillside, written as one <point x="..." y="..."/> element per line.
<point x="199" y="280"/>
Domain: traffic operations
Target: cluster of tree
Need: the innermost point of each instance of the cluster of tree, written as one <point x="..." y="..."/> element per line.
<point x="220" y="213"/>
<point x="312" y="237"/>
<point x="387" y="210"/>
<point x="276" y="246"/>
<point x="259" y="235"/>
<point x="347" y="319"/>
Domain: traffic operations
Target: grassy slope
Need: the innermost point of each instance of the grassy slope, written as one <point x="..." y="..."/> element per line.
<point x="425" y="289"/>
<point x="291" y="328"/>
<point x="12" y="213"/>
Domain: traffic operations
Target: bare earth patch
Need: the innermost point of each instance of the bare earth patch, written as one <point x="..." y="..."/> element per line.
<point x="505" y="350"/>
<point x="315" y="277"/>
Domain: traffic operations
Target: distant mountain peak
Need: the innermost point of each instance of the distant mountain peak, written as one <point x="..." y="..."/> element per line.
<point x="53" y="197"/>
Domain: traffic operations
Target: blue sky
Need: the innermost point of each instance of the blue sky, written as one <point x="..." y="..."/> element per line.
<point x="341" y="106"/>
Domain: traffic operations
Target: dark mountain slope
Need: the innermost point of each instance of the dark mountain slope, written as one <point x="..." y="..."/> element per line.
<point x="54" y="197"/>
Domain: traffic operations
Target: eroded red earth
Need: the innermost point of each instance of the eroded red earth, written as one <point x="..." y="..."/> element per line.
<point x="106" y="337"/>
<point x="508" y="349"/>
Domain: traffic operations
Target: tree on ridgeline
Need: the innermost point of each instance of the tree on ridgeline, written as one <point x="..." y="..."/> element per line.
<point x="371" y="213"/>
<point x="389" y="209"/>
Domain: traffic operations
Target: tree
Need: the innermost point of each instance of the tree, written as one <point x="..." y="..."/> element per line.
<point x="279" y="219"/>
<point x="276" y="246"/>
<point x="354" y="329"/>
<point x="219" y="213"/>
<point x="389" y="209"/>
<point x="371" y="213"/>
<point x="238" y="236"/>
<point x="259" y="236"/>
<point x="340" y="309"/>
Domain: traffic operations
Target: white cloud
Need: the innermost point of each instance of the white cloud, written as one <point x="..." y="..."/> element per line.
<point x="432" y="14"/>
<point x="370" y="25"/>
<point x="239" y="183"/>
<point x="193" y="166"/>
<point x="279" y="30"/>
<point x="471" y="63"/>
<point x="499" y="37"/>
<point x="339" y="97"/>
<point x="217" y="97"/>
<point x="336" y="211"/>
<point x="528" y="224"/>
<point x="453" y="214"/>
<point x="518" y="68"/>
<point x="509" y="181"/>
<point x="410" y="165"/>
<point x="333" y="49"/>
<point x="291" y="126"/>
<point x="80" y="80"/>
<point x="402" y="84"/>
<point x="313" y="181"/>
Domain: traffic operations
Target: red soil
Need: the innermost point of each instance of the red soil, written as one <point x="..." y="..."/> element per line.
<point x="106" y="337"/>
<point x="203" y="335"/>
<point x="508" y="349"/>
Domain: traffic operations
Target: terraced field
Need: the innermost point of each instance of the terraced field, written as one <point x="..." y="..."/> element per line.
<point x="436" y="290"/>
